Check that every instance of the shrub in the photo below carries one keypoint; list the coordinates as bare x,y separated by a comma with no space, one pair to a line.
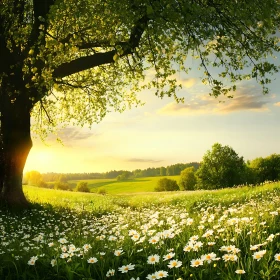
82,187
187,179
61,186
42,184
124,176
102,191
166,184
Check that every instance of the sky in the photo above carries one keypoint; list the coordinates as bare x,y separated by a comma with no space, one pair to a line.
162,132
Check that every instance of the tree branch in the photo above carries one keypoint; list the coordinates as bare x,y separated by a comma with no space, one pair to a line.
83,63
41,9
87,62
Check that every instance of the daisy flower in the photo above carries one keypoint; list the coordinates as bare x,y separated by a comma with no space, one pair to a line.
197,245
92,260
258,255
153,259
118,252
53,262
151,276
168,256
161,274
208,257
154,240
126,268
32,260
196,262
110,272
239,271
86,247
174,263
188,248
277,257
229,257
135,237
62,241
64,255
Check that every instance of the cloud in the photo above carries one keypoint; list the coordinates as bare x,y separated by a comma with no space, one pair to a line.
68,135
205,104
143,160
277,104
244,102
187,83
72,134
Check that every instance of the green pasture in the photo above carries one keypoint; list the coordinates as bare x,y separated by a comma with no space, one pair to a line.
112,186
124,194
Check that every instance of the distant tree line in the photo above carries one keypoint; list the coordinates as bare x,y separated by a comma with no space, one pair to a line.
170,170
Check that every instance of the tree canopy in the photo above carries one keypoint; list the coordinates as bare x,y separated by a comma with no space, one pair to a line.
221,167
72,62
77,59
187,179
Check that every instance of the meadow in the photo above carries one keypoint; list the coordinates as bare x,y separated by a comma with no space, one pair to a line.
112,186
225,234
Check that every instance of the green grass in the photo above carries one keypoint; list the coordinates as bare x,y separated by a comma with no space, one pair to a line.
69,235
112,186
135,197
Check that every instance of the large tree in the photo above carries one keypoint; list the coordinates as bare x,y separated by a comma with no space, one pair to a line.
72,61
221,167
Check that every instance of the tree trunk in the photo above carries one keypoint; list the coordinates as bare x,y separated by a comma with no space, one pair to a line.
16,144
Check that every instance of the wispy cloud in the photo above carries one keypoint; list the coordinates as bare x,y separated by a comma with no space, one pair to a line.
72,134
243,100
187,83
69,135
277,104
143,160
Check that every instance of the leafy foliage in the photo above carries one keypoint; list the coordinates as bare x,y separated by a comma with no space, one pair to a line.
70,53
166,184
82,187
32,178
221,167
62,184
101,191
266,169
124,176
187,179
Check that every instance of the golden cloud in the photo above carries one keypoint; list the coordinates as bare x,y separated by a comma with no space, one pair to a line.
205,104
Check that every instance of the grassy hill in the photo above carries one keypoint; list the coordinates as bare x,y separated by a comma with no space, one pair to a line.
112,186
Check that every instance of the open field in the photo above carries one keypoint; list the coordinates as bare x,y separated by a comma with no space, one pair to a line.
227,234
112,186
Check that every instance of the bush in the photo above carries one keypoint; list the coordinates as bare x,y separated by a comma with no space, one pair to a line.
124,176
42,184
102,191
82,187
187,179
166,184
61,186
